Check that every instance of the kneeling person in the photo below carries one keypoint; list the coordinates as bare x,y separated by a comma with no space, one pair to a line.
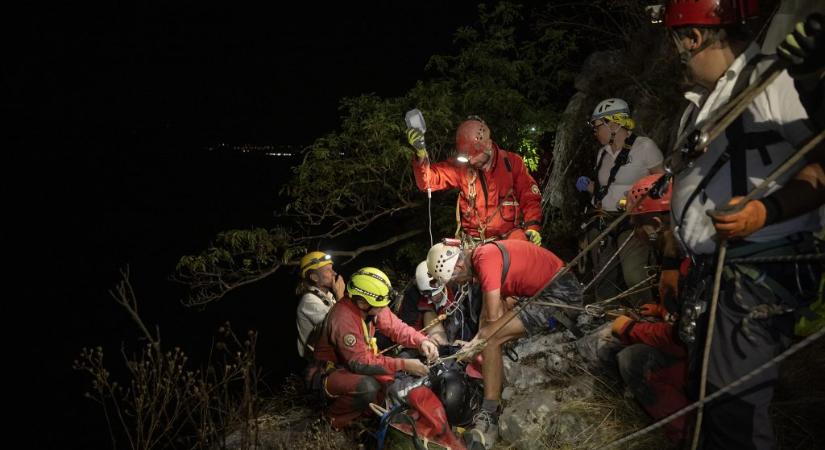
347,349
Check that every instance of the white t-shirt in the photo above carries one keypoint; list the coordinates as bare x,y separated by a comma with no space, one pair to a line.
312,310
777,108
644,155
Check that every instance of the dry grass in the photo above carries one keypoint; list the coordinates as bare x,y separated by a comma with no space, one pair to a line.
594,422
796,411
292,420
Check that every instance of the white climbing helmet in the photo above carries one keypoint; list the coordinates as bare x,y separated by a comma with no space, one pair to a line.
425,283
609,107
614,110
441,261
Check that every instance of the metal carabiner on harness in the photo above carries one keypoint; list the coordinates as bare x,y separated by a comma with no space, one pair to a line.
594,310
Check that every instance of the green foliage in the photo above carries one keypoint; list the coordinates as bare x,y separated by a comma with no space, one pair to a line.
236,258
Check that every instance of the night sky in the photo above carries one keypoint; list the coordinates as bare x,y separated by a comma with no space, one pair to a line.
114,108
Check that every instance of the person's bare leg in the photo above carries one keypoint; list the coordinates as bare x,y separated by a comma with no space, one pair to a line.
492,367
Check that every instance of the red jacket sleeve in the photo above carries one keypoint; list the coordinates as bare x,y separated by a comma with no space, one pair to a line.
399,332
347,336
437,176
527,193
658,335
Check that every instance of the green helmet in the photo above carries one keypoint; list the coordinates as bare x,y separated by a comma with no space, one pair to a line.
372,285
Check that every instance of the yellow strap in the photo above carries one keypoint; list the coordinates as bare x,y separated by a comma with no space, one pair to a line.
372,342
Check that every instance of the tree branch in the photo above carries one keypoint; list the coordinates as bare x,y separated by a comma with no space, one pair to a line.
354,253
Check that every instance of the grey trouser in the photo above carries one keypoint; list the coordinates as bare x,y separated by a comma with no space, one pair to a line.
537,318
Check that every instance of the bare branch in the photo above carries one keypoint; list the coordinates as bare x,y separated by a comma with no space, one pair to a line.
354,253
125,297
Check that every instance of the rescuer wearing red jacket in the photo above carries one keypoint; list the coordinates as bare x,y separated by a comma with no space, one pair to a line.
347,350
498,198
654,363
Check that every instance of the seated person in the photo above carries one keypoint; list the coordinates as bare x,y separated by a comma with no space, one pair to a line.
320,287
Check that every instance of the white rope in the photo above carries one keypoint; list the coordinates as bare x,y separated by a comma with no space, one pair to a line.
430,212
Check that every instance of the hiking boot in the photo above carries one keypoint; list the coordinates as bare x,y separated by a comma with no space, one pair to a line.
484,432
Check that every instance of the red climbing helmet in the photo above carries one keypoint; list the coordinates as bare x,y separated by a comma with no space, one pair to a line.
641,203
679,13
471,139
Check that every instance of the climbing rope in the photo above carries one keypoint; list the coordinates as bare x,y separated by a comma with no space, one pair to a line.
607,264
733,385
811,257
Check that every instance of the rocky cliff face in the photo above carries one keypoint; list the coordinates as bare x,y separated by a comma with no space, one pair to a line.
561,393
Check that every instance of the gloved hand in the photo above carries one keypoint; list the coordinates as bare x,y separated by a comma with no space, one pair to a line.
741,223
804,47
652,310
534,236
621,326
416,139
669,283
429,350
583,184
415,367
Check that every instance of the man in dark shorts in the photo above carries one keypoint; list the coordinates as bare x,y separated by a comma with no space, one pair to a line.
509,268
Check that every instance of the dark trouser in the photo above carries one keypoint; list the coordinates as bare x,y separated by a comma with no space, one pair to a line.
740,419
658,382
350,395
626,270
538,318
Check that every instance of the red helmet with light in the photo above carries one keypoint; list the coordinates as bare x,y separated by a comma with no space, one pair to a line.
638,202
679,13
471,139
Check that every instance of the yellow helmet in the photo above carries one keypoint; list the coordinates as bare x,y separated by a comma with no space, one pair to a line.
372,285
314,260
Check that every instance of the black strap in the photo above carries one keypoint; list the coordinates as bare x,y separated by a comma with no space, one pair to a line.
505,258
621,159
483,181
507,164
739,143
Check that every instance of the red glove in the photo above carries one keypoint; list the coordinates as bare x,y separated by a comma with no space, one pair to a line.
742,223
621,326
652,310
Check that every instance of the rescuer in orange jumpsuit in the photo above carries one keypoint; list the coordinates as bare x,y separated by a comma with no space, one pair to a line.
498,198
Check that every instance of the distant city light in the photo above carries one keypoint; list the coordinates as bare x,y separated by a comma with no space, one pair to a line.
282,150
